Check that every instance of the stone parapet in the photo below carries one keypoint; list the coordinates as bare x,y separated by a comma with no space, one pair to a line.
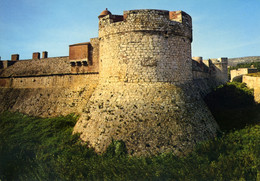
147,20
145,47
55,65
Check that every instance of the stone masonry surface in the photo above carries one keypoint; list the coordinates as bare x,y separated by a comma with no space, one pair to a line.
55,65
253,83
150,118
146,96
240,72
47,96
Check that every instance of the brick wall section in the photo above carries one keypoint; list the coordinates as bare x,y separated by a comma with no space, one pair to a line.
241,71
79,51
84,57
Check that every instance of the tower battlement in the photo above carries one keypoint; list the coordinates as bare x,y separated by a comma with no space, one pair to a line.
168,22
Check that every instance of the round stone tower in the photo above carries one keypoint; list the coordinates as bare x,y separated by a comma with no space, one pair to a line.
145,96
146,46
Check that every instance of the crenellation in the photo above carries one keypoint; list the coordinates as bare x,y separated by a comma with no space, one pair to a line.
36,56
44,54
14,57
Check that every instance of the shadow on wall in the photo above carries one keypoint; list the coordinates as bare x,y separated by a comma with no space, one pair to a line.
237,78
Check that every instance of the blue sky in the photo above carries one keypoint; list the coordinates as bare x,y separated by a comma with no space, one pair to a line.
221,28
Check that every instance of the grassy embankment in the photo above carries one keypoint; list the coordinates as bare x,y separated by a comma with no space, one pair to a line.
45,149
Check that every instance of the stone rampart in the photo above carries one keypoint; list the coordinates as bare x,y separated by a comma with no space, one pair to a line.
253,83
238,73
84,57
220,69
47,96
150,118
46,66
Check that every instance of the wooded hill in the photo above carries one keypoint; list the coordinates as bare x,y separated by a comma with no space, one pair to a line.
235,61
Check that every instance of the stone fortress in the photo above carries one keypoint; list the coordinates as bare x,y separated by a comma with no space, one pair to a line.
136,82
250,76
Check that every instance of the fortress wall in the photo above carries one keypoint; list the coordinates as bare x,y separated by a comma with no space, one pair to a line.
200,75
241,72
253,83
55,65
51,81
150,118
47,96
220,69
238,72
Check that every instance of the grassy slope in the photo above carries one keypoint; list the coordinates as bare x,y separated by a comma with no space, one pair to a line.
44,149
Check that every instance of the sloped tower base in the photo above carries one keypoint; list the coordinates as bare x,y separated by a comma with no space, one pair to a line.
150,118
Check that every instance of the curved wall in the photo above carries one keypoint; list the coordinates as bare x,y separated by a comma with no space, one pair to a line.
145,96
146,47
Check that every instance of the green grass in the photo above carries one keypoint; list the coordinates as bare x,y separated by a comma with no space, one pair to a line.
44,149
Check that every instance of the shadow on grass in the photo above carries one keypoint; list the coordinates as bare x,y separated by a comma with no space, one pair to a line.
233,106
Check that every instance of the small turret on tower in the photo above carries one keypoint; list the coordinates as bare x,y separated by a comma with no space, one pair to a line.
104,13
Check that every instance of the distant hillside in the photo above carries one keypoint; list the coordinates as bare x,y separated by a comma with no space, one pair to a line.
235,61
